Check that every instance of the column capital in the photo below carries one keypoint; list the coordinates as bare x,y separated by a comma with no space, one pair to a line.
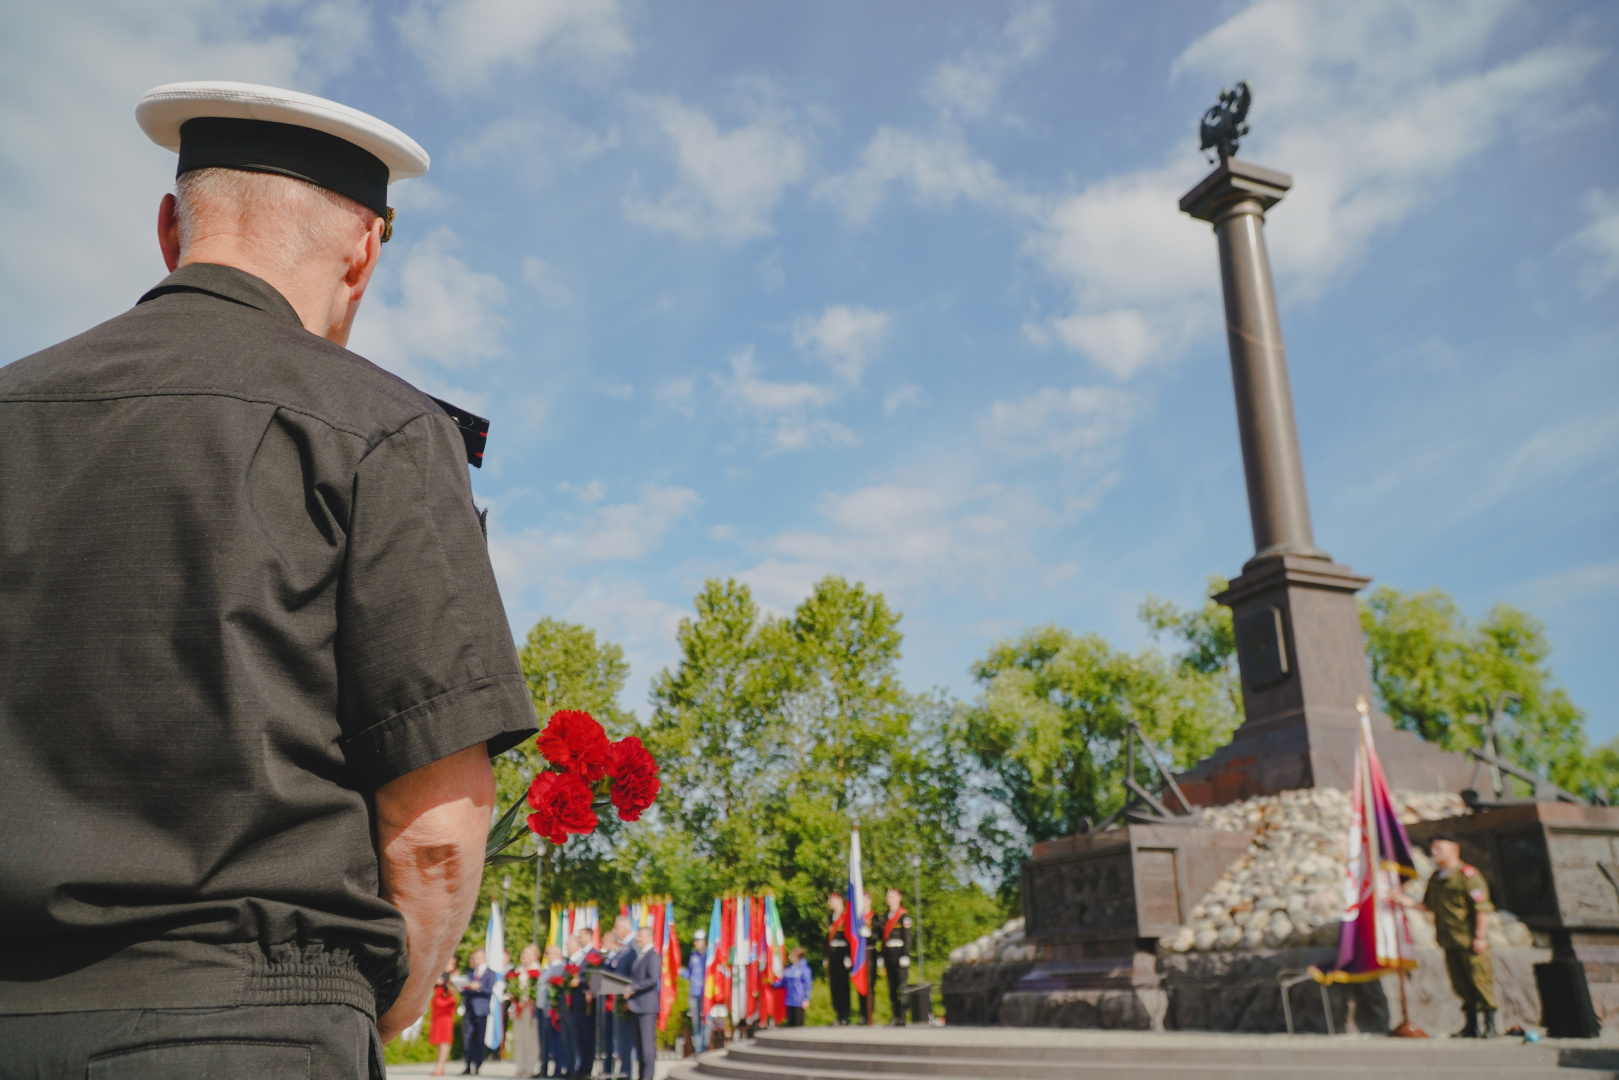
1233,181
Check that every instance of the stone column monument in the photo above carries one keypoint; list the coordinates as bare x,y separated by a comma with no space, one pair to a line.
1299,642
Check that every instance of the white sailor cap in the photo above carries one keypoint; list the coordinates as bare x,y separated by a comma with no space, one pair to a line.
236,125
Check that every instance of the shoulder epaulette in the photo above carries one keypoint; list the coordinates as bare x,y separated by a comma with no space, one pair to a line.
474,430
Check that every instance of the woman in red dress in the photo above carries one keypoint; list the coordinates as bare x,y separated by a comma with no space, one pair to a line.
441,1032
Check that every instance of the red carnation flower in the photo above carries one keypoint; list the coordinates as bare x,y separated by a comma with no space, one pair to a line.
635,778
561,804
574,742
556,980
572,969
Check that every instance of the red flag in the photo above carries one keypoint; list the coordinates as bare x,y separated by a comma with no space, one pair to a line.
670,946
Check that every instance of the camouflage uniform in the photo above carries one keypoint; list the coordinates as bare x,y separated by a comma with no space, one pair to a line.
1456,898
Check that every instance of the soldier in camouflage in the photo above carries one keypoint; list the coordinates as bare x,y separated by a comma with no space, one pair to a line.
1460,900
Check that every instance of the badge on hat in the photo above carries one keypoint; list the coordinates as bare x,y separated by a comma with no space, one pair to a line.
234,125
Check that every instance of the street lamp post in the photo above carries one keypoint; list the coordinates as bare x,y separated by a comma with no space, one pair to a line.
916,866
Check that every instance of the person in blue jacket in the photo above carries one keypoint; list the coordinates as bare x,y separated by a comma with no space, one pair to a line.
797,980
696,975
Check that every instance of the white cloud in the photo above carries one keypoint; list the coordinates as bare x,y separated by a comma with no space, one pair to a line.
464,43
676,394
938,169
783,408
843,337
545,280
1370,106
902,537
730,181
900,397
533,144
765,396
1567,588
1061,422
430,308
619,532
1597,243
79,182
969,85
593,492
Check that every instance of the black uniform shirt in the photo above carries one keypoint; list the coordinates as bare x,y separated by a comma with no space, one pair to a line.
242,585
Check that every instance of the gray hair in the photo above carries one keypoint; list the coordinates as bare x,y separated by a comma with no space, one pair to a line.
288,220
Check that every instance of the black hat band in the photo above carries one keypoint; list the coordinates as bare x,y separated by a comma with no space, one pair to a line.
322,159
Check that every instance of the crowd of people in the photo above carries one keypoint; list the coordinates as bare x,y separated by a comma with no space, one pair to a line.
558,1021
561,1020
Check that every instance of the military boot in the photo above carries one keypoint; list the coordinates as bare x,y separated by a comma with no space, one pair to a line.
1470,1029
1489,1031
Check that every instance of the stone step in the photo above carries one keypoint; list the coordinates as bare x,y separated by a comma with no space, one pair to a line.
1189,1049
726,1066
999,1054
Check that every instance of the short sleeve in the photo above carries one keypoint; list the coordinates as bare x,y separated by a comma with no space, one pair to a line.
426,662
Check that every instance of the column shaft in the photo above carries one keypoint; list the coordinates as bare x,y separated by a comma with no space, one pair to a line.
1277,504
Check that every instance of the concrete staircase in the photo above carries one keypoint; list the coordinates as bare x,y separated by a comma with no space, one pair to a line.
1022,1054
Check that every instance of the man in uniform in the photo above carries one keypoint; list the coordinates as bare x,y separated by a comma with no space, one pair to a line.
253,663
869,997
897,941
838,957
1460,900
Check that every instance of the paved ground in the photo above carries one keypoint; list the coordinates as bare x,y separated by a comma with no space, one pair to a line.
497,1068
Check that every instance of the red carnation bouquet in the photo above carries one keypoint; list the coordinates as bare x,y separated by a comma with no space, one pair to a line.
587,772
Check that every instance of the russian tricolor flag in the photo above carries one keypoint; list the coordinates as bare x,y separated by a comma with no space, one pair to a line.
857,940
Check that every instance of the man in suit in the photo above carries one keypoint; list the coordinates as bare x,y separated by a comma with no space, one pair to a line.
646,984
475,1001
621,1032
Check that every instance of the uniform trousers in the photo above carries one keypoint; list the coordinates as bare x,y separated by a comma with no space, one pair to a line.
1472,976
897,978
795,1016
837,982
264,1042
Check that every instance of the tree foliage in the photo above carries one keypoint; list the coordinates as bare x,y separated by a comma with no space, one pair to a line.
1436,673
776,734
1051,724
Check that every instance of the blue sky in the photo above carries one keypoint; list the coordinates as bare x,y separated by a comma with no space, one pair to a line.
900,290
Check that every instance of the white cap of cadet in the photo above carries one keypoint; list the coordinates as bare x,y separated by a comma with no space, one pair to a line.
267,129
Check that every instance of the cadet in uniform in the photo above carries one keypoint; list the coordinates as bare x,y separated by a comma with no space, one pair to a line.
838,958
1459,900
899,936
253,663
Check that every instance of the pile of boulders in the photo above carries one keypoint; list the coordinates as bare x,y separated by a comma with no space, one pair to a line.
1286,891
1002,946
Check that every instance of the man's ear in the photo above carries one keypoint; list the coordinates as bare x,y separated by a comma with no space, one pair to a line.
363,260
168,232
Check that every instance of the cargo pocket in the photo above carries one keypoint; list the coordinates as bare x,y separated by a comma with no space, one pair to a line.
204,1059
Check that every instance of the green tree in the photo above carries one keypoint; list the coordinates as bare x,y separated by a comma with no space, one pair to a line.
1434,671
566,667
1051,723
774,734
1208,641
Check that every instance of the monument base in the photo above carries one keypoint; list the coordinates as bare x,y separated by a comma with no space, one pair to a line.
1238,992
1303,660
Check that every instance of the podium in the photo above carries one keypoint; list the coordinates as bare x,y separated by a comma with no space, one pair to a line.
602,982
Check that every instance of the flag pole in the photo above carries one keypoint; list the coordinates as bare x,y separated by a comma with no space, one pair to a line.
1406,1030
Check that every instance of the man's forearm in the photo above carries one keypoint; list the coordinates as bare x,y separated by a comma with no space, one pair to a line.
431,826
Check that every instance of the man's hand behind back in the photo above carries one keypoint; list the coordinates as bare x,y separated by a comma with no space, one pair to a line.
431,827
